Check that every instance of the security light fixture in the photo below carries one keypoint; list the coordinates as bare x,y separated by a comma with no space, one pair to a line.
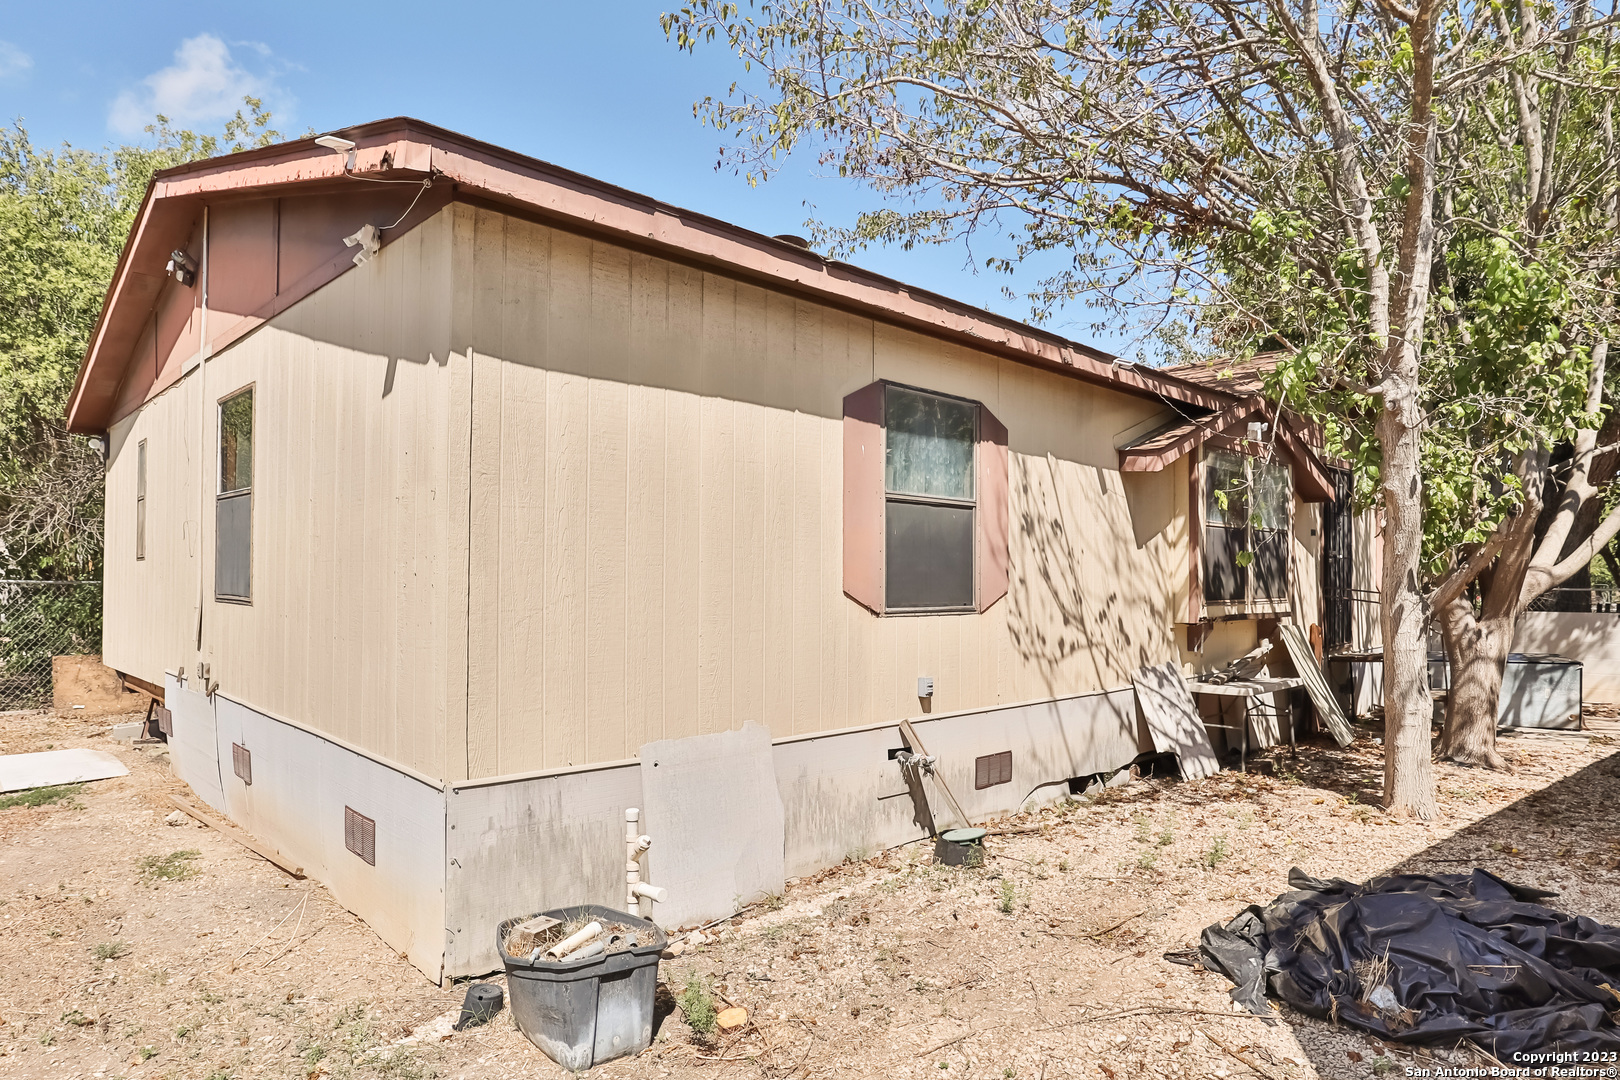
182,267
368,239
341,145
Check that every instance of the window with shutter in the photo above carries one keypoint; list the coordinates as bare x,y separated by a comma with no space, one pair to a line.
925,502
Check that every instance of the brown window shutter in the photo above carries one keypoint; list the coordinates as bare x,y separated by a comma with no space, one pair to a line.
1195,541
863,497
990,543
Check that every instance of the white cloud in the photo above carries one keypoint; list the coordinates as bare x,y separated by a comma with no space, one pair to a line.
204,85
13,61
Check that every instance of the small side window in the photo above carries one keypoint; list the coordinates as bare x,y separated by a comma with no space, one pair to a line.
140,500
233,507
1246,515
925,502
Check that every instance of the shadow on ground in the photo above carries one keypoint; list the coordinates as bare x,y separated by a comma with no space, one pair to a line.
1561,837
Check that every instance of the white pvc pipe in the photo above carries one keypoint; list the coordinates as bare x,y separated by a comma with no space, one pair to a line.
635,844
651,892
561,950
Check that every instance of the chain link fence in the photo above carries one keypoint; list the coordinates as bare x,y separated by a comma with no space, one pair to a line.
39,620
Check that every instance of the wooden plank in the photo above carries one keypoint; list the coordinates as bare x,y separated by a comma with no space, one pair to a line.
1173,720
916,744
1316,684
263,850
151,690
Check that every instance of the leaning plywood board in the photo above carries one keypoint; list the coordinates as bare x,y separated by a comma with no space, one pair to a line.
1316,684
19,772
1173,720
711,805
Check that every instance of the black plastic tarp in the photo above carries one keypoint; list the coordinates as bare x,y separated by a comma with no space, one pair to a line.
1429,958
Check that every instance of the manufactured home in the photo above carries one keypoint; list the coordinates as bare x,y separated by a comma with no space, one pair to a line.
457,502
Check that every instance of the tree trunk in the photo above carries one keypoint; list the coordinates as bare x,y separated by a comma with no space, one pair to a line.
1478,649
1408,709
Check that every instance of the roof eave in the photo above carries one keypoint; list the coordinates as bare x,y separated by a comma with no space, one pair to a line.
482,172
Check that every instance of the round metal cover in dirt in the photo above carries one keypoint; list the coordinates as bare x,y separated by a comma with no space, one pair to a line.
963,836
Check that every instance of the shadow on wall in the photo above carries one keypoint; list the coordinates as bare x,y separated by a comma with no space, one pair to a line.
1151,501
394,360
1077,587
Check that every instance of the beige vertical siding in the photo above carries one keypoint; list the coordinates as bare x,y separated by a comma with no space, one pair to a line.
357,622
524,500
149,620
657,514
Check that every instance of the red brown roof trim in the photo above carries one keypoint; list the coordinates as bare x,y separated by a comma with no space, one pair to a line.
405,149
1157,449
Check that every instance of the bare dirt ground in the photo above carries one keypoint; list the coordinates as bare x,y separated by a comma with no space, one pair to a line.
120,958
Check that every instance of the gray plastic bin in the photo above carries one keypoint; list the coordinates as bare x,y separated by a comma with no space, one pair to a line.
588,1011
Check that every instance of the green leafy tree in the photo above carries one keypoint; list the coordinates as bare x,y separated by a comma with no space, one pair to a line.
1514,352
64,217
1176,151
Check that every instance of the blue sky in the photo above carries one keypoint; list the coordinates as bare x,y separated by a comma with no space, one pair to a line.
593,87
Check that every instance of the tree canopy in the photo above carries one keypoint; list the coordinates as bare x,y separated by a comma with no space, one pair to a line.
1396,194
64,217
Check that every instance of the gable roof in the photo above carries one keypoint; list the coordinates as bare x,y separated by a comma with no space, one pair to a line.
467,170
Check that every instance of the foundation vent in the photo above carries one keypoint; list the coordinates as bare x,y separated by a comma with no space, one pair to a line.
242,763
360,834
992,769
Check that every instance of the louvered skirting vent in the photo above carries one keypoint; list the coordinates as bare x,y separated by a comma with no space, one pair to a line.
242,763
360,834
992,769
